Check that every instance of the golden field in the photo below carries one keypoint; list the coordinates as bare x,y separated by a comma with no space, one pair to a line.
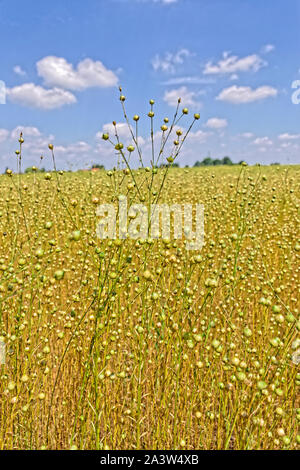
142,344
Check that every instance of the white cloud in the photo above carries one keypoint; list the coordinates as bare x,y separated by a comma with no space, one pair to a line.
19,71
267,48
199,136
35,142
169,62
35,96
80,147
216,123
188,98
189,81
263,141
3,135
234,64
122,130
27,131
57,72
285,145
247,135
288,136
245,94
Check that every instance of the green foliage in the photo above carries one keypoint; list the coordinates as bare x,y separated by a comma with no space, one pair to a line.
97,166
210,162
31,169
174,165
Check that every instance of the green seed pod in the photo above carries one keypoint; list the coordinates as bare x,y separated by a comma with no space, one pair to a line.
58,275
76,235
119,146
276,308
241,376
247,332
261,385
147,275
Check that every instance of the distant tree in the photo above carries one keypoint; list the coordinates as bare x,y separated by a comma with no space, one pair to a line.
28,170
164,165
207,161
96,165
33,169
274,163
227,161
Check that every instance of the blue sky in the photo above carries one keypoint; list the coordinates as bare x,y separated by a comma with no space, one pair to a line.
234,61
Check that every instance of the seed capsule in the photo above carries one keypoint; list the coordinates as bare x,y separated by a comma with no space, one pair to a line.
119,146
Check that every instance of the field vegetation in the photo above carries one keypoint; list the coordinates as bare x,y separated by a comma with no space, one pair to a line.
142,344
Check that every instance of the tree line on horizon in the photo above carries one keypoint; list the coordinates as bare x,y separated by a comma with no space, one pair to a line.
208,161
